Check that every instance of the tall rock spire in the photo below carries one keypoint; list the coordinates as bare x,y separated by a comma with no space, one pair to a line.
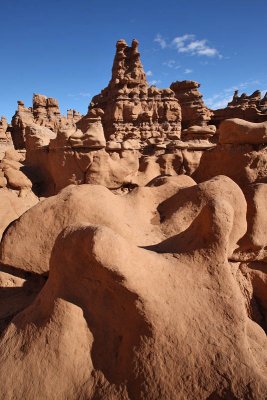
132,109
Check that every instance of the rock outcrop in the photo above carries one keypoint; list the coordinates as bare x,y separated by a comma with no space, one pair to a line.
239,131
130,135
240,154
16,195
133,110
194,111
6,142
124,321
133,245
251,108
45,112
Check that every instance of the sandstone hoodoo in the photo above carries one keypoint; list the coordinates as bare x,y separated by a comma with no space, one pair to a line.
45,112
133,110
252,108
194,111
133,245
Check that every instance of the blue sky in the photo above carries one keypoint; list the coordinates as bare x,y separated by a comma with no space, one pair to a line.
65,49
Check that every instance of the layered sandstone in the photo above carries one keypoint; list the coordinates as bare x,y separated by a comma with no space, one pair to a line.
130,135
194,111
142,273
45,112
6,142
133,110
251,108
16,194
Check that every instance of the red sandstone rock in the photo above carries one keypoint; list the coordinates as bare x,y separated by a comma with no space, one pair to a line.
12,171
245,164
45,112
194,111
183,306
156,282
6,142
251,108
131,108
16,195
238,131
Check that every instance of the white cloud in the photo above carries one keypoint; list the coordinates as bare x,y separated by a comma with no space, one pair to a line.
241,86
248,83
189,44
171,64
180,40
149,73
162,42
218,101
188,71
154,82
221,99
81,94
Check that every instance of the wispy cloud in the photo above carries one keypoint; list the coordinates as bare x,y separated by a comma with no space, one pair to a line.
162,42
221,99
189,44
242,85
149,73
179,41
154,82
172,64
81,94
188,71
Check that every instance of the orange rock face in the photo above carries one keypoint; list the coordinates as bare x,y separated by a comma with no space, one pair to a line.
251,108
45,112
6,142
123,294
194,111
131,108
133,246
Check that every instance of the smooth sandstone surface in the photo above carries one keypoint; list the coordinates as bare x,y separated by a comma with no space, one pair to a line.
238,131
127,322
12,207
129,215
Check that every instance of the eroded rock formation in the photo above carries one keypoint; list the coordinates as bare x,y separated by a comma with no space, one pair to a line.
133,247
194,111
16,195
6,142
112,312
251,108
45,112
133,110
130,135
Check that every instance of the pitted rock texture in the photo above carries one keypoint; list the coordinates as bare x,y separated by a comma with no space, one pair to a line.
133,247
6,142
45,112
194,111
133,110
16,195
252,108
